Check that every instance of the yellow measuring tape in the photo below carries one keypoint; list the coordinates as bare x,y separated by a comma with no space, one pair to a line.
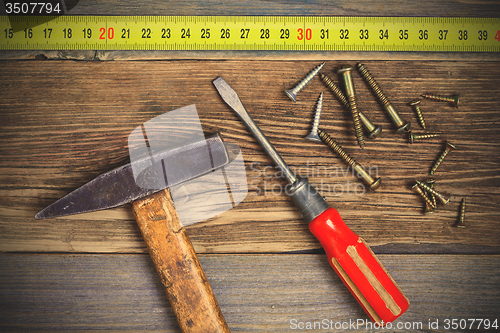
273,33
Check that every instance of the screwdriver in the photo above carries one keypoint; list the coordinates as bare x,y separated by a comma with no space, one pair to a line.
348,254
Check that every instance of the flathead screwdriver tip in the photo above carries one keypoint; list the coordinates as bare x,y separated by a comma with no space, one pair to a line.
233,101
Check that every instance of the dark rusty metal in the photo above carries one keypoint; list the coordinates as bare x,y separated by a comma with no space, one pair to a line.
119,186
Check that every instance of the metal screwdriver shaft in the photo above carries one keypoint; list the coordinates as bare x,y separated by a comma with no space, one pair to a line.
305,197
231,98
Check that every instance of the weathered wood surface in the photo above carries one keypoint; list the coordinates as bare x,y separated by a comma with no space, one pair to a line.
62,123
242,55
257,293
451,8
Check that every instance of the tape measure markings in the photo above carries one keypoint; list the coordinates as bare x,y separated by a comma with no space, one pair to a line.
272,33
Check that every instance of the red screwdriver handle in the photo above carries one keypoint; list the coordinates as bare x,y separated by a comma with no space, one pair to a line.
359,268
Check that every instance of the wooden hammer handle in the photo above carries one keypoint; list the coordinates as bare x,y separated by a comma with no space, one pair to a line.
185,282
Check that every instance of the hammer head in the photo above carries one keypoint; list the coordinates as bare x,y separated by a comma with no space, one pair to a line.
122,185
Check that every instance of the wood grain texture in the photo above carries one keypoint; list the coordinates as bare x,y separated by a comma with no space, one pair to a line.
180,271
257,293
63,123
452,8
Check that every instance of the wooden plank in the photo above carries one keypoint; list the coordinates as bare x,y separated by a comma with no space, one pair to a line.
63,123
257,293
452,8
244,55
487,8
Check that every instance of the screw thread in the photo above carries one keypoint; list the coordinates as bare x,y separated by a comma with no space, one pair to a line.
341,97
307,79
330,142
374,184
433,197
358,130
438,98
439,160
461,220
429,209
452,99
423,195
420,116
438,195
425,136
335,89
317,115
415,137
373,84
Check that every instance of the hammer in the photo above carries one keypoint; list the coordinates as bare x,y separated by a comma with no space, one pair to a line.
181,273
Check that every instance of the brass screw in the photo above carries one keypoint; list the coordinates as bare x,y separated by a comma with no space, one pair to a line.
372,129
393,114
415,137
335,89
292,93
373,184
429,209
351,98
449,147
420,116
431,183
461,220
428,201
454,99
443,198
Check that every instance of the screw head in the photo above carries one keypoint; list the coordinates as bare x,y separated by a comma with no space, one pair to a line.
411,137
375,185
415,102
313,137
345,68
404,128
375,133
445,198
429,209
456,100
290,93
450,146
